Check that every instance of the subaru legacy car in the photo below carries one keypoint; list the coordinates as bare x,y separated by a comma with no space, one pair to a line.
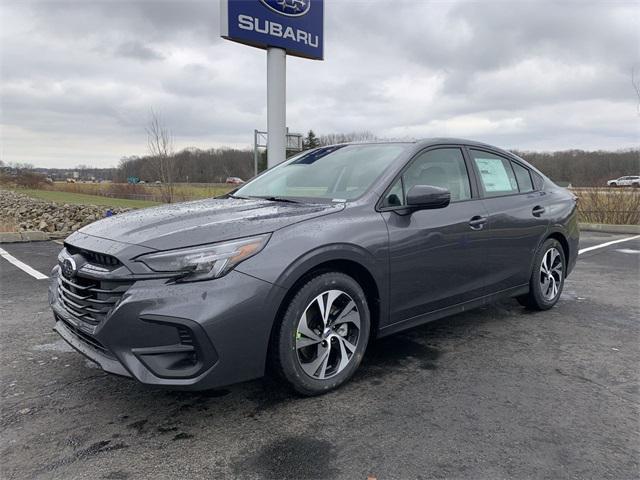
296,271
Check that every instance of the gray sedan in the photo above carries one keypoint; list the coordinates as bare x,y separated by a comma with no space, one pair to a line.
299,268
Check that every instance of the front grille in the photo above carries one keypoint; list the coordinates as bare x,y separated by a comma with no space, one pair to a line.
90,300
95,258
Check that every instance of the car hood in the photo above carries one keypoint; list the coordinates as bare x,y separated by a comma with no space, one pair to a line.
204,221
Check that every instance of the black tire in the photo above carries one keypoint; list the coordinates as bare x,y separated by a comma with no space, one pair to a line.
635,185
285,357
536,298
614,185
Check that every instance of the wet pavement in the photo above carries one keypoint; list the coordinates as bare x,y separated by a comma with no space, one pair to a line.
498,392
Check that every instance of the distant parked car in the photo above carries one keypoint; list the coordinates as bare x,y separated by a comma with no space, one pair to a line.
234,180
158,182
628,181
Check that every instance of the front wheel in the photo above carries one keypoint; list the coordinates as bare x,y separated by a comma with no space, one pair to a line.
547,278
323,335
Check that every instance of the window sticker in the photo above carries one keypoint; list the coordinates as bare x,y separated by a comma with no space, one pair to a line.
494,175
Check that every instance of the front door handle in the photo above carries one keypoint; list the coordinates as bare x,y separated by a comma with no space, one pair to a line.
537,211
477,222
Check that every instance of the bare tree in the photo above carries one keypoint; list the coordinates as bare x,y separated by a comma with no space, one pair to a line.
635,81
332,138
160,147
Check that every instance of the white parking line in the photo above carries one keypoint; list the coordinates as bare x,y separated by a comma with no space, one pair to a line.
22,266
602,245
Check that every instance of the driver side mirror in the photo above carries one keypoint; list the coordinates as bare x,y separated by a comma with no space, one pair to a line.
427,197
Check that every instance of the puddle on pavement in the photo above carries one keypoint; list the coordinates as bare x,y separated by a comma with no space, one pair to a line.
390,354
291,458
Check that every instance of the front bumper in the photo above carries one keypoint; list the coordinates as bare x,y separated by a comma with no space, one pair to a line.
193,336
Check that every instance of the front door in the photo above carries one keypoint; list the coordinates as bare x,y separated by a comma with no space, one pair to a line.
436,256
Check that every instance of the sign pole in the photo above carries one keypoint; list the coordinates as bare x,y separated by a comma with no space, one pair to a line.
276,105
255,153
281,27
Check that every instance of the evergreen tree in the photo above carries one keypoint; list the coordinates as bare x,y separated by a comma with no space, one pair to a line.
310,141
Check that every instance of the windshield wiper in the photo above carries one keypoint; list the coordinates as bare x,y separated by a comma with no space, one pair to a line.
278,199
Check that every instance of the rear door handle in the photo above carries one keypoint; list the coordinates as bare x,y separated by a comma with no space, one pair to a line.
477,222
537,211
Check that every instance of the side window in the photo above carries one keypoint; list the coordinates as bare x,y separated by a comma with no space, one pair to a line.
395,197
523,177
496,174
443,167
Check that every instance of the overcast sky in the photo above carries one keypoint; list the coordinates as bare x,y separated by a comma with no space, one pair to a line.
79,78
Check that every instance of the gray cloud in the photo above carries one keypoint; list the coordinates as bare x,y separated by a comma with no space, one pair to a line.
79,78
137,50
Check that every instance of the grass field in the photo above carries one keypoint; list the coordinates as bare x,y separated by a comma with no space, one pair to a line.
181,191
84,199
608,205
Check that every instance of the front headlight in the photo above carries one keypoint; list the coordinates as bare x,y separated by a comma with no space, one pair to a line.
207,261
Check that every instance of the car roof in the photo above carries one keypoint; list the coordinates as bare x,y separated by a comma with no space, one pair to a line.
424,142
427,142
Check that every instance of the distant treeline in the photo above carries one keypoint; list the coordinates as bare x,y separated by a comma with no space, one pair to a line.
61,174
192,165
585,169
577,167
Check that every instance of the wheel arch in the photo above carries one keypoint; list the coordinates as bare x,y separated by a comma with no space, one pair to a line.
360,266
564,243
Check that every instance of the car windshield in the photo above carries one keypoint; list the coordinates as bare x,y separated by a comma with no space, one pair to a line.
339,172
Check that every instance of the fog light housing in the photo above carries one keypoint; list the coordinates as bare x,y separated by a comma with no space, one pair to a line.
170,361
191,355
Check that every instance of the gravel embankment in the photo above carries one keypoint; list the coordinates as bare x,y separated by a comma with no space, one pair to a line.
28,214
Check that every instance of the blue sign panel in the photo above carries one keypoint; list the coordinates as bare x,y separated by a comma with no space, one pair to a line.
295,25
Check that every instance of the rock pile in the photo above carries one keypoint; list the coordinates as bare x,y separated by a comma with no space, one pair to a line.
28,214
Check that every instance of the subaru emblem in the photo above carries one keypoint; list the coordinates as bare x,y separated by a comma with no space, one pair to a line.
68,267
290,8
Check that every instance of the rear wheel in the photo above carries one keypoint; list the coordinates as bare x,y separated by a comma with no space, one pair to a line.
547,278
323,334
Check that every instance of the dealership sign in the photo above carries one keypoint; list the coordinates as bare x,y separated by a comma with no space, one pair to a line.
293,25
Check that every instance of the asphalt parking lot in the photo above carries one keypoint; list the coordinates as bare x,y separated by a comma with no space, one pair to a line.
498,392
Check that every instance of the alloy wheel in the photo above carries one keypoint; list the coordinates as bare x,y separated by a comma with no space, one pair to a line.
551,274
327,334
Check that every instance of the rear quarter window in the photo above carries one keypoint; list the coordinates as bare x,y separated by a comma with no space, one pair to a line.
538,181
523,176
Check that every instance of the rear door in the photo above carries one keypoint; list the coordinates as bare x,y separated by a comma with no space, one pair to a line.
518,217
436,256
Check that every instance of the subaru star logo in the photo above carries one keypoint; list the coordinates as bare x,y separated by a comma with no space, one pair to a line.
290,8
69,267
